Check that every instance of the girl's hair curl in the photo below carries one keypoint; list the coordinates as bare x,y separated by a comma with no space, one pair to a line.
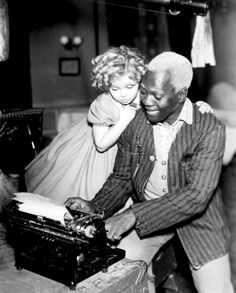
115,62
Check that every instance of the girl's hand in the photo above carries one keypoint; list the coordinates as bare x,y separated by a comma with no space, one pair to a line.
127,113
204,107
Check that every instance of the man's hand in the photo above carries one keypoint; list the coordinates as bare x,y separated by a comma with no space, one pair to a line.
79,204
119,224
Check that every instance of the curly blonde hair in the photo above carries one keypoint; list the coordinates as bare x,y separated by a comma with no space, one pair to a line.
116,62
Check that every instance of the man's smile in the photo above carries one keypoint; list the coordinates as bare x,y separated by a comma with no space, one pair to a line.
150,110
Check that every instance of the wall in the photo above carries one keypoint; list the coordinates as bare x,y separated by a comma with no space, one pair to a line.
223,22
224,32
15,71
49,20
64,17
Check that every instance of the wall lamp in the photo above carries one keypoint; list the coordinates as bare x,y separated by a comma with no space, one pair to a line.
70,43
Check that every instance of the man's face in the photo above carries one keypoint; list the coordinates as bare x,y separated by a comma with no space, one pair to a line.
159,98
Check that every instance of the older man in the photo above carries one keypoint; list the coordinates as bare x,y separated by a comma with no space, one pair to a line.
169,161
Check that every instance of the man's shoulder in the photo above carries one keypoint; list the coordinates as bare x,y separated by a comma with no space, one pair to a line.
139,119
205,120
138,124
140,114
199,117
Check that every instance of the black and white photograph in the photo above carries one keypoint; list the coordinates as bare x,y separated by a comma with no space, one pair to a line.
118,146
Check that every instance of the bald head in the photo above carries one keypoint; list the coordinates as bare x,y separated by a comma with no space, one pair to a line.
177,67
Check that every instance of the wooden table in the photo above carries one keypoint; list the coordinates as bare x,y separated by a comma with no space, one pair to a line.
120,277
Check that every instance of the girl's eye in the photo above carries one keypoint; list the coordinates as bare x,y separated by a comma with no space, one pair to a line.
114,89
130,86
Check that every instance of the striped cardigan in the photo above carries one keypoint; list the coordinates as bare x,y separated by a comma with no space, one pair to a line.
193,205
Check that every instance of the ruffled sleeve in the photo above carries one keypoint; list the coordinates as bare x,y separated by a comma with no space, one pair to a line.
103,111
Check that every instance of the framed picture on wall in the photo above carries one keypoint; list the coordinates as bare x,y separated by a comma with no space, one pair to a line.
69,66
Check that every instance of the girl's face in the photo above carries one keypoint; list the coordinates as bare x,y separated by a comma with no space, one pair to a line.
124,89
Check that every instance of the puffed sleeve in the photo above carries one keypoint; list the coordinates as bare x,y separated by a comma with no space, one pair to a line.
103,111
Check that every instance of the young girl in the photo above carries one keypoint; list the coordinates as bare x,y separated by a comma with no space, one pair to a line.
79,160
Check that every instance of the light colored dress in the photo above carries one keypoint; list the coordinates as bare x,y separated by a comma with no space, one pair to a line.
70,165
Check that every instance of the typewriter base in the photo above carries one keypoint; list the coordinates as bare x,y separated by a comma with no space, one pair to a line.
68,276
64,262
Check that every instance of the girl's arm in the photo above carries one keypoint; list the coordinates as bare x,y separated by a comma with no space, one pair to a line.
106,136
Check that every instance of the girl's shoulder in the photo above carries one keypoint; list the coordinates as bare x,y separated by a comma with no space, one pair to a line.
103,100
103,111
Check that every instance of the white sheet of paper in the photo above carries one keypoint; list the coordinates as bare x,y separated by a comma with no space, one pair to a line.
41,206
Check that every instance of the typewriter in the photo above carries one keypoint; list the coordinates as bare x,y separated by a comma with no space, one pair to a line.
44,243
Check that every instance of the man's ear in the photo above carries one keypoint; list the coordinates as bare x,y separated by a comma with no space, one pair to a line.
182,95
